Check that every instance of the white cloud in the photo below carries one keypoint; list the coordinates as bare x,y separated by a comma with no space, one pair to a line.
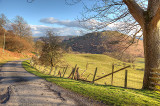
70,27
68,23
126,28
39,30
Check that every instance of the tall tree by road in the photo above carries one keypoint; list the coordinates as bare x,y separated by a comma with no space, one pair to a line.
3,22
51,52
21,28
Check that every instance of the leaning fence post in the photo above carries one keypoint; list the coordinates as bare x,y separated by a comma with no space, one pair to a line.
112,73
71,73
59,73
65,71
74,71
76,74
125,83
94,75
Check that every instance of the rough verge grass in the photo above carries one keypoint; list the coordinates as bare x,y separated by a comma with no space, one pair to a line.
109,95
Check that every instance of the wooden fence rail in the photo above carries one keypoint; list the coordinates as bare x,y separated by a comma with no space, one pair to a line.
112,73
155,79
94,75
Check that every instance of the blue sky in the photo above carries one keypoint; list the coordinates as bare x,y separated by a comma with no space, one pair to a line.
55,15
44,14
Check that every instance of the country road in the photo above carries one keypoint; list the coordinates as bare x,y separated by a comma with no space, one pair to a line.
20,88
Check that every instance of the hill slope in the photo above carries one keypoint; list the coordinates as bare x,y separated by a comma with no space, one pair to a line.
10,56
106,41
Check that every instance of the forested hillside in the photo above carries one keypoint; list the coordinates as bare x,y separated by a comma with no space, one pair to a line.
105,42
17,36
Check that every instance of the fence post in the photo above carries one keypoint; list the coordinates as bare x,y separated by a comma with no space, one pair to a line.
76,76
65,71
74,71
71,73
94,75
125,83
87,66
60,73
112,73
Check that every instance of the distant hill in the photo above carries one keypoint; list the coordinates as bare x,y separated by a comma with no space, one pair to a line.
106,41
66,37
61,37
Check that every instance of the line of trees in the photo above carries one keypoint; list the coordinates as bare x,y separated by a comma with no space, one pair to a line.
15,35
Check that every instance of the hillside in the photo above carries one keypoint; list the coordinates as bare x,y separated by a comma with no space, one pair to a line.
106,41
66,37
10,56
62,38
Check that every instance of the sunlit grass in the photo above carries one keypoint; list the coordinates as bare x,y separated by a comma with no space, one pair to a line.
109,95
104,65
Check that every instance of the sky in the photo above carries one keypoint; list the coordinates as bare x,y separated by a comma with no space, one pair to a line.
55,15
45,14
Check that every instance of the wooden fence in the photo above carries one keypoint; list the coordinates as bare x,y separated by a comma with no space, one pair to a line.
77,76
155,79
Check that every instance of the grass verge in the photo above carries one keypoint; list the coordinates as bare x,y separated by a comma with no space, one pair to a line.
107,94
1,63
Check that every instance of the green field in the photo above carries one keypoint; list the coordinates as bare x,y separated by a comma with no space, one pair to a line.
104,65
109,95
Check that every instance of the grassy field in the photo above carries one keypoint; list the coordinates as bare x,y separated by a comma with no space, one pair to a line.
104,65
109,95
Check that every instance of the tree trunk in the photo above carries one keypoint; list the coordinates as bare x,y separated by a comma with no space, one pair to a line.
51,66
151,41
51,69
55,70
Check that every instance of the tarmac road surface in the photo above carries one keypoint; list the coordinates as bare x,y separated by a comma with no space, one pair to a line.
20,88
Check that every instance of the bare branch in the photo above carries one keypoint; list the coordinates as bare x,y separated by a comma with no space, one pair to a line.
133,41
156,18
136,11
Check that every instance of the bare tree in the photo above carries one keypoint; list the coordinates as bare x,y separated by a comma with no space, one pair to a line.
38,46
21,28
51,52
3,22
129,17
